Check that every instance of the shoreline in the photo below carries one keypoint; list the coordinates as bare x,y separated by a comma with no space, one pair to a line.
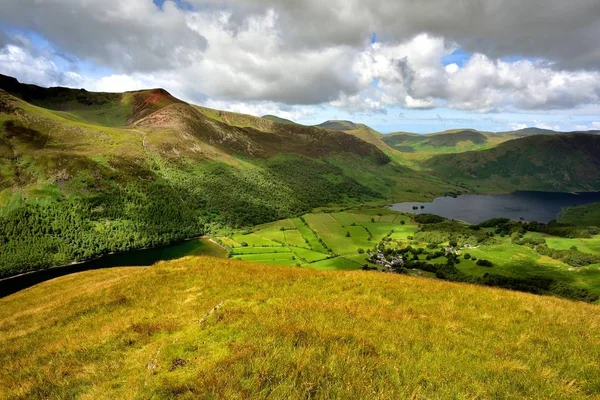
100,257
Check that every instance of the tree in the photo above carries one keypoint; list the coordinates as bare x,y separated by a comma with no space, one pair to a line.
484,263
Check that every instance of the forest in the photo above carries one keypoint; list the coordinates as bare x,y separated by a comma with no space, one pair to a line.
177,203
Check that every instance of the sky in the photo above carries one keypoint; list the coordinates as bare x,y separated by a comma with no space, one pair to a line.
396,65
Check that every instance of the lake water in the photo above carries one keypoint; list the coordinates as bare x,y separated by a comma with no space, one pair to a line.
529,206
135,258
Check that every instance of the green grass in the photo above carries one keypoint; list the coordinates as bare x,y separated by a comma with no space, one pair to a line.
214,328
509,259
584,215
332,228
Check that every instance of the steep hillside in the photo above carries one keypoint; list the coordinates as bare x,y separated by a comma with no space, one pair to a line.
72,188
272,140
562,162
210,328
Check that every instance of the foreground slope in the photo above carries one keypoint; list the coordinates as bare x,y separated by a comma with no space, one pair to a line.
202,327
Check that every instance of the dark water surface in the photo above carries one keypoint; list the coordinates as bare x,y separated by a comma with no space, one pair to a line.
135,258
529,206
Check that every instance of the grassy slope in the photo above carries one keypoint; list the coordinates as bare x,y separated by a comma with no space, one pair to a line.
284,332
565,162
584,215
279,120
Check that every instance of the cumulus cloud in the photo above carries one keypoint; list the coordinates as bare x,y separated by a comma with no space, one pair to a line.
254,63
550,29
17,61
412,74
132,35
289,53
263,108
517,126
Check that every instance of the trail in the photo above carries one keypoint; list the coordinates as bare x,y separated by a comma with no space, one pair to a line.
144,136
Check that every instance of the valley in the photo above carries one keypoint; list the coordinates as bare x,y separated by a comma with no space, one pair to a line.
354,200
88,174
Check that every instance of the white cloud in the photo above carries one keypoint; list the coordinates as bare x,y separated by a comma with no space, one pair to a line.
128,36
17,61
263,108
244,52
517,126
452,68
411,74
543,125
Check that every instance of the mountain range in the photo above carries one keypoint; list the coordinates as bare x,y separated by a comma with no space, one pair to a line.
83,173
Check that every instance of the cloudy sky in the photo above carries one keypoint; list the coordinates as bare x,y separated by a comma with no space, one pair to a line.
397,65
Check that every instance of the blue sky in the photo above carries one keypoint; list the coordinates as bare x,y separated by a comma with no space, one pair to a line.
308,63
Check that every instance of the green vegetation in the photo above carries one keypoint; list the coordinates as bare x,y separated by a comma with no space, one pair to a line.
83,174
319,240
279,120
498,252
444,142
584,215
202,327
523,164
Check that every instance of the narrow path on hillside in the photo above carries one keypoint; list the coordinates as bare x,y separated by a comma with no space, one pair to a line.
144,135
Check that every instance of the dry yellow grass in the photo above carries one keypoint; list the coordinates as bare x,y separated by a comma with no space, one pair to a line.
212,328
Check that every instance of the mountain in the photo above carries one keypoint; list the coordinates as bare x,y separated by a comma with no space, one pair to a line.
83,174
443,142
367,134
539,131
339,125
214,328
279,120
559,162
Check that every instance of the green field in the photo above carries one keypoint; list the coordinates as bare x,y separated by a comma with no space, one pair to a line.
331,241
320,240
587,214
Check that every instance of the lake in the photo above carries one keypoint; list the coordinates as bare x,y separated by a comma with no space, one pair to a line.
529,206
134,258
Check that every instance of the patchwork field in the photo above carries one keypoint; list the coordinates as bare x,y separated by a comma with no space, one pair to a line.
341,241
320,240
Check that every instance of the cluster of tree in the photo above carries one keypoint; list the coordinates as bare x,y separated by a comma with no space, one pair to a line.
484,263
537,285
428,219
171,203
573,257
504,226
451,231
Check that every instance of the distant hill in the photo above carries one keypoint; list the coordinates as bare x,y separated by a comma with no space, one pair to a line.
560,162
339,125
443,142
279,120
